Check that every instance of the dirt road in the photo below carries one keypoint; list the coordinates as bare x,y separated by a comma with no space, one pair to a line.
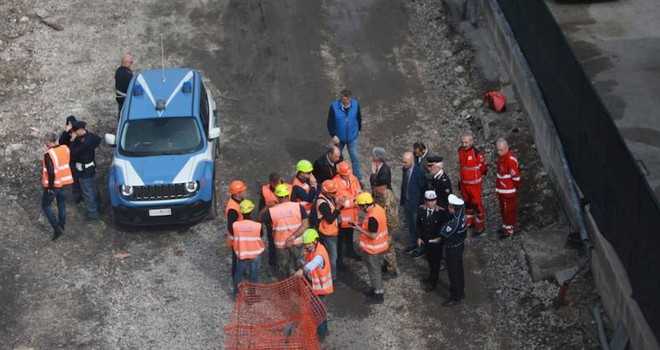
273,67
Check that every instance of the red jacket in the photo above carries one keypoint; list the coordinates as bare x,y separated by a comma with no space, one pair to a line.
508,174
472,165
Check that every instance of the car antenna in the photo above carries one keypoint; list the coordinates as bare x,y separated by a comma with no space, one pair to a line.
162,57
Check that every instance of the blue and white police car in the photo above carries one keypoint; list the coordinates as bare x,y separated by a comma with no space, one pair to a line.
163,160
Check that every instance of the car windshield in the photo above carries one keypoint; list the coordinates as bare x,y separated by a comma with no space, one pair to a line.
160,136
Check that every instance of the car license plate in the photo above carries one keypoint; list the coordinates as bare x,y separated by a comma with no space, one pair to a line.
160,212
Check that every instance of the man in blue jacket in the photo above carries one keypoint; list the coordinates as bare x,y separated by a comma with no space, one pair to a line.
413,184
344,125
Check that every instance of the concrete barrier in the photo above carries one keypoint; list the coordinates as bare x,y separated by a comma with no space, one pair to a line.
610,276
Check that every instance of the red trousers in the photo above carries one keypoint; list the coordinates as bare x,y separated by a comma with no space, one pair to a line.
509,211
474,207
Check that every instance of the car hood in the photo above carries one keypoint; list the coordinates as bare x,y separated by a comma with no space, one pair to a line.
151,170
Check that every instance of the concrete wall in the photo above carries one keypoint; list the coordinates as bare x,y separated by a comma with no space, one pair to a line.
610,276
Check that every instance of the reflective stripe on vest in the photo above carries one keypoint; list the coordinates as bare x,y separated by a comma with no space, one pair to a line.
327,229
286,220
232,204
379,244
60,158
321,277
247,243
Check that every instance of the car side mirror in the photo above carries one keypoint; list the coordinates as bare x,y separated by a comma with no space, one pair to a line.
110,140
214,133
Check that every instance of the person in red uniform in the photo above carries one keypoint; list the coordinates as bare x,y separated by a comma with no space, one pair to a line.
472,170
508,180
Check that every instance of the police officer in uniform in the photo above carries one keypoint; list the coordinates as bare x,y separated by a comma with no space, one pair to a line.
438,180
430,219
83,146
123,76
453,238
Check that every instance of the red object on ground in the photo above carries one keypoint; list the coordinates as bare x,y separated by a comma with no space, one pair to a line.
281,315
496,100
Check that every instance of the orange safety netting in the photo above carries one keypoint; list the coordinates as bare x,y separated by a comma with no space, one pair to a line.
281,315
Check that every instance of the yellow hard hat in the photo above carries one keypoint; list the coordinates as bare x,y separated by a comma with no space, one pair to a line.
364,198
310,236
304,166
282,190
246,206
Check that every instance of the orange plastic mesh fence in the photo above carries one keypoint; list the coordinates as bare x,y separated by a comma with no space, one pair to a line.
281,315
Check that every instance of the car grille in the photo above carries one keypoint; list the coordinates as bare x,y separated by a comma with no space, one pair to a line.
160,192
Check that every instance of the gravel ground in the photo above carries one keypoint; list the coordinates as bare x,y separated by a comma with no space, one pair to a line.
418,79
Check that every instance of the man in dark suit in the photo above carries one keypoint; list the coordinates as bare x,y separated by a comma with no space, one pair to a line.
325,167
413,184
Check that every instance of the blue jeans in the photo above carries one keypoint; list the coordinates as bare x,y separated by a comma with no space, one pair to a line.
88,189
411,222
47,199
249,266
330,244
353,153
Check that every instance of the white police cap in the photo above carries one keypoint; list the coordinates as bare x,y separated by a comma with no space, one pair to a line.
454,200
430,195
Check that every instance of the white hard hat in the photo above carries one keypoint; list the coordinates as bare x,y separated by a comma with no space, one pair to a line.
454,200
430,195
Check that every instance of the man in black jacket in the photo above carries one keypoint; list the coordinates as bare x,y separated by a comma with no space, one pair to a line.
123,76
413,184
83,146
453,238
430,219
325,168
438,180
65,139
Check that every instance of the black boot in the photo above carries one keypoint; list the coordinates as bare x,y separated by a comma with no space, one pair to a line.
57,232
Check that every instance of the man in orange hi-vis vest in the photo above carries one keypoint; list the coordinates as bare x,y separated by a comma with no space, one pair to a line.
55,176
348,187
247,245
317,270
374,242
286,220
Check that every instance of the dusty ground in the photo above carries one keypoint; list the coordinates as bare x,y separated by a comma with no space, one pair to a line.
273,67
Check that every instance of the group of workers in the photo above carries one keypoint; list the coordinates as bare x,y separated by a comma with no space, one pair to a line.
325,215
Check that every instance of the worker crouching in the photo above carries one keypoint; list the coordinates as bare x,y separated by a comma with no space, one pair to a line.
374,243
317,270
247,245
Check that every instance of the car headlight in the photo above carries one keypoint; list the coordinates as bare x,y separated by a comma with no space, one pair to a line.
192,186
126,190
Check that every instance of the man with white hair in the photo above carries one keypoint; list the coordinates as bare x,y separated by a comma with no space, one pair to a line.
508,181
123,76
439,180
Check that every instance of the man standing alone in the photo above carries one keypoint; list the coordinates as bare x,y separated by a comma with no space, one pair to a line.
123,76
508,180
344,125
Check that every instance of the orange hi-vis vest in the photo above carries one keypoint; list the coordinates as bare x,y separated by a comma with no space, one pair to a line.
379,244
270,198
321,277
286,220
306,188
346,193
247,241
325,228
232,204
60,157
